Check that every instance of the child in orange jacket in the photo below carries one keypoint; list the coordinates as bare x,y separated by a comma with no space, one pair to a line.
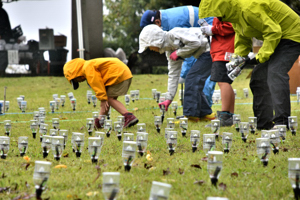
108,77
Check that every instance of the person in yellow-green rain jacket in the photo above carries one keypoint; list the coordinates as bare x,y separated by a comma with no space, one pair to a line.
108,77
279,27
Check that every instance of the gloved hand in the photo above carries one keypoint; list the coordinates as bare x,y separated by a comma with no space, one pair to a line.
166,103
252,61
206,30
174,56
181,80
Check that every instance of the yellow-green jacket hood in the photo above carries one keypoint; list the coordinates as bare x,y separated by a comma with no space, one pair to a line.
227,9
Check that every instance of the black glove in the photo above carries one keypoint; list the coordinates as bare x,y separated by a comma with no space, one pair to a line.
252,61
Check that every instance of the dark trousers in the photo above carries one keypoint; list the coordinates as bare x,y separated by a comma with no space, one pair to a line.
270,85
195,103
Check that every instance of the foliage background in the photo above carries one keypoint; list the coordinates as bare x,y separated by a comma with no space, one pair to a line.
122,25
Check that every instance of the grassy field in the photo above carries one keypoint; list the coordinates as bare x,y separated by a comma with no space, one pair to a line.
243,175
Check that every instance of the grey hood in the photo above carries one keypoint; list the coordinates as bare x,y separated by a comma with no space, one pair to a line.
187,41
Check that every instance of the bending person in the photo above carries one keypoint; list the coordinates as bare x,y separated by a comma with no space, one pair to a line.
279,27
184,17
180,43
108,77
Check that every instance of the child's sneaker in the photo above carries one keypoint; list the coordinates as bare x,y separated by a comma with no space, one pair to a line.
193,119
205,118
210,117
130,120
225,118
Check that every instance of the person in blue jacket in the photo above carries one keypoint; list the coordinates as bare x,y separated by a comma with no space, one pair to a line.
185,17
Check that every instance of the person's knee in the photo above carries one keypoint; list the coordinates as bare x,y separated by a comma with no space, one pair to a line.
111,99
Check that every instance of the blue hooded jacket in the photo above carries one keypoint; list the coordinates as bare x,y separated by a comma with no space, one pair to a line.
183,16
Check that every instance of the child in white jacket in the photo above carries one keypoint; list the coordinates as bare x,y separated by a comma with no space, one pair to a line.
180,43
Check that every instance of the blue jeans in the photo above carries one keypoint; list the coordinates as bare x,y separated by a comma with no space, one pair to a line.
208,90
195,102
209,85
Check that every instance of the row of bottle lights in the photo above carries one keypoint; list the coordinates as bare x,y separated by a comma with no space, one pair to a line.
111,181
262,143
129,148
242,127
170,134
60,101
134,96
54,104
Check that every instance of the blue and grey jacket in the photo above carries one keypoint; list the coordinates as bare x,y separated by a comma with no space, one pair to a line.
183,16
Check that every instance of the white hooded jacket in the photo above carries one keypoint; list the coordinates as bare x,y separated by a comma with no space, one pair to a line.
186,41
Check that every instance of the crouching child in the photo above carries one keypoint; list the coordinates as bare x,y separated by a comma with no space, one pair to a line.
108,77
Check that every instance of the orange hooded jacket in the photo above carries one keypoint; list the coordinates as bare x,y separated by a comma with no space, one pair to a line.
99,73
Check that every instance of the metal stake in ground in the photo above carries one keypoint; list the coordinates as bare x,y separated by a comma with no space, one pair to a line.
40,190
195,139
172,141
128,154
294,175
157,123
181,98
4,100
297,188
227,141
40,177
214,179
214,165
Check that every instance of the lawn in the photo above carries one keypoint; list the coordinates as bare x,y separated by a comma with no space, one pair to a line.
242,177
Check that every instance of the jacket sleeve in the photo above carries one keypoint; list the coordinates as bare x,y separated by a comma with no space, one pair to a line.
222,28
243,45
271,32
189,48
95,80
191,43
174,68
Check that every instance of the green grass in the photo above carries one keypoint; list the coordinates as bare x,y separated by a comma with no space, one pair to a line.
242,173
